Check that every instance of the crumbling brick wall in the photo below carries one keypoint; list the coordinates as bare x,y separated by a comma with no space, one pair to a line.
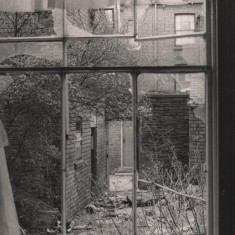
101,149
165,130
197,135
78,163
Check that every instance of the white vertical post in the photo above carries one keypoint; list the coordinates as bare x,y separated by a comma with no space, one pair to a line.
118,16
135,146
135,19
155,33
121,143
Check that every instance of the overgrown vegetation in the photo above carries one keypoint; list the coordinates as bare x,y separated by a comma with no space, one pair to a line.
31,115
31,105
173,202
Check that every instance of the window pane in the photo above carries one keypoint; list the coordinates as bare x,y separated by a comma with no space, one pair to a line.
30,113
120,52
167,17
172,151
31,54
105,17
30,18
184,24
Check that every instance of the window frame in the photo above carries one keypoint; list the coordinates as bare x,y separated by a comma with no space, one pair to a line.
212,100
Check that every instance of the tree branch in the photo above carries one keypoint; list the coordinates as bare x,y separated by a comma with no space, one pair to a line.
173,191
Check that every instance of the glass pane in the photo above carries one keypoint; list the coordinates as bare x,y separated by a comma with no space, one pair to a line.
30,18
101,52
102,101
179,51
172,152
166,17
31,54
107,17
127,52
30,113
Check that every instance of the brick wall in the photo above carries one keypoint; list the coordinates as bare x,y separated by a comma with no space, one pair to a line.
197,135
164,52
78,163
101,149
165,130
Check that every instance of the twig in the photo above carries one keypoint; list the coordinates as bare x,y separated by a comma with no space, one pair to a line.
22,231
172,190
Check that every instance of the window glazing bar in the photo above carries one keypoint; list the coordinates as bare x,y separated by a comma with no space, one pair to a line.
64,120
31,39
125,69
124,36
135,150
169,36
60,39
212,114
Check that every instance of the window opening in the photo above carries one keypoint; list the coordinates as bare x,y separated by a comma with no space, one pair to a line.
183,25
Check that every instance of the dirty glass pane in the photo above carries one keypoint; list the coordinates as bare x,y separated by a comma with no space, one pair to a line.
101,52
30,18
127,52
106,17
30,113
161,18
172,153
98,174
167,17
31,54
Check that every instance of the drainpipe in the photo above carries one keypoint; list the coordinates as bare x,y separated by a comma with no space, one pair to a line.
155,32
118,16
135,20
121,143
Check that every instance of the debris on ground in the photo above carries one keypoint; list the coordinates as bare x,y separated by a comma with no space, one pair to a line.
112,214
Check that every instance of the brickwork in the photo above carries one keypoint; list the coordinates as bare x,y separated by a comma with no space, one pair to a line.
101,149
197,138
165,52
165,130
78,163
197,88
